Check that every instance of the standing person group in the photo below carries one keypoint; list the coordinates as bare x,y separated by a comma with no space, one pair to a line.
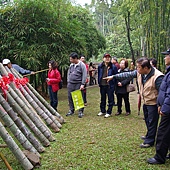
106,68
149,80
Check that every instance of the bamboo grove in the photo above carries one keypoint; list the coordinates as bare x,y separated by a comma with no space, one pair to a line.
134,28
32,32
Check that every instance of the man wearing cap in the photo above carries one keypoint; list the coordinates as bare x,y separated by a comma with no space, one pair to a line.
7,62
106,68
163,101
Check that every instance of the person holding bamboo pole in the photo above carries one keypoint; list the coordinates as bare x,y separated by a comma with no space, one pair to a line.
7,62
53,80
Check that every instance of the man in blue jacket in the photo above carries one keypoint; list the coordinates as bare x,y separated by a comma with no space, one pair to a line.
163,100
106,68
22,71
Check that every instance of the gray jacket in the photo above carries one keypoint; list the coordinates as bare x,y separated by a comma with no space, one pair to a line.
77,73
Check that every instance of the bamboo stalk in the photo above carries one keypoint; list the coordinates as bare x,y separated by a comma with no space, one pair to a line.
15,130
21,125
36,72
43,108
25,163
32,115
18,96
35,105
28,121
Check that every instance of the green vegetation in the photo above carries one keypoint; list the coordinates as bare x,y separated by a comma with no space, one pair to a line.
34,32
96,143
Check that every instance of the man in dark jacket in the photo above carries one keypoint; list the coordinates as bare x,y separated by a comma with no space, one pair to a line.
106,68
163,100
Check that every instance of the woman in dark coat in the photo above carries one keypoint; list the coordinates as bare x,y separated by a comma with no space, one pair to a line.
121,89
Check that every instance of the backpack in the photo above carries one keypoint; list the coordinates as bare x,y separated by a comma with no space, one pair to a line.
61,84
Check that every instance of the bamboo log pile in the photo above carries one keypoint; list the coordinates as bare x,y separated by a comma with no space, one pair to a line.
29,117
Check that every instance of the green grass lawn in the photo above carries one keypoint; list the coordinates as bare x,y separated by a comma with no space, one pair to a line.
96,143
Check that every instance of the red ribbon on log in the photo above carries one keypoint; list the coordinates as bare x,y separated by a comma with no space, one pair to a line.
5,80
3,86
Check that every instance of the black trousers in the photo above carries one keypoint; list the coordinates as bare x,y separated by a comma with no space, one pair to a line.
151,119
126,101
163,139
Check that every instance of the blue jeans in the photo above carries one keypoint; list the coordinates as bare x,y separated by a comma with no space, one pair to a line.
151,119
106,91
53,98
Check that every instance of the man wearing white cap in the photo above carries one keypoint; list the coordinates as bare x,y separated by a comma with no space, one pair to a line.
7,62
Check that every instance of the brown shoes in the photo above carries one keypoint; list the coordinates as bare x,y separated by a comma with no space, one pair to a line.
117,114
127,114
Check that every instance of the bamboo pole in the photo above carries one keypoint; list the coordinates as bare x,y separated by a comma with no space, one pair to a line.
40,112
32,115
36,72
18,96
25,163
21,125
28,121
16,131
47,105
43,107
5,161
41,99
30,103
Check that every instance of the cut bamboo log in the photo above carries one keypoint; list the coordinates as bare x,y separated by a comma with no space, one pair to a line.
41,113
25,163
28,121
16,131
21,125
32,115
18,96
42,107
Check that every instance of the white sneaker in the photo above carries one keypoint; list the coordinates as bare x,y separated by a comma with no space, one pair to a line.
100,114
107,115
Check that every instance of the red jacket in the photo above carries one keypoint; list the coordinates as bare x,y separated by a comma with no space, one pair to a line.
55,78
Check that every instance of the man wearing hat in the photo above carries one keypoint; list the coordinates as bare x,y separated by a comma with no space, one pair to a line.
106,68
7,62
163,101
